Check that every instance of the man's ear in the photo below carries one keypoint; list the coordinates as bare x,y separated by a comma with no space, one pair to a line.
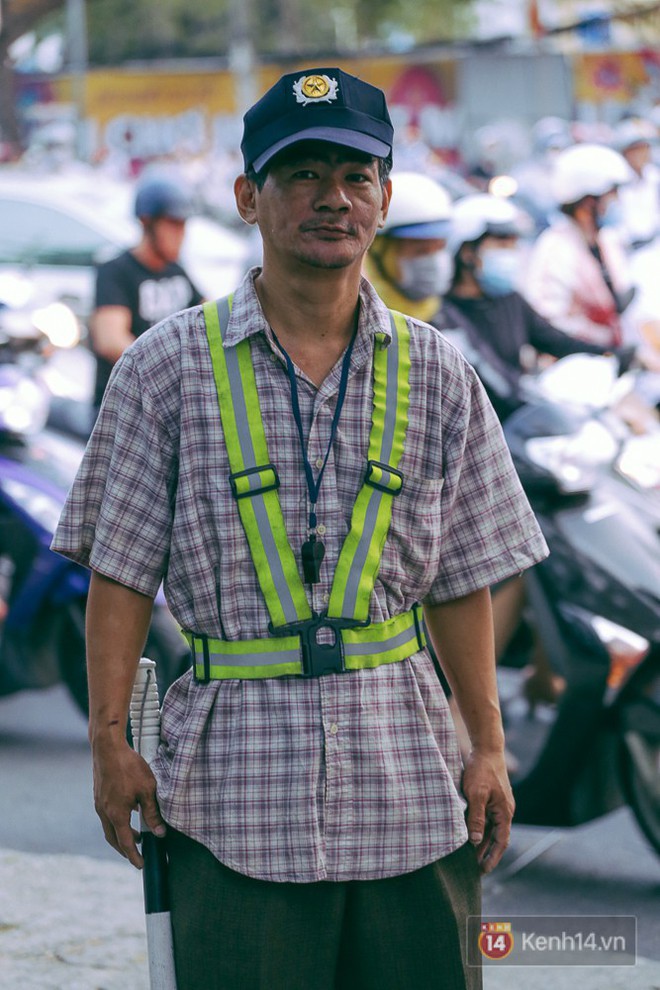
245,192
387,195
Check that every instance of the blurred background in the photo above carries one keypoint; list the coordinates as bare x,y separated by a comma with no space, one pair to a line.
96,97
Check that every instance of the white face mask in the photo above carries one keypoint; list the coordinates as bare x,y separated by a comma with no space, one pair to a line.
426,275
499,270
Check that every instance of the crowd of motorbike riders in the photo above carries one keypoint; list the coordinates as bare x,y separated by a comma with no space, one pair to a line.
515,281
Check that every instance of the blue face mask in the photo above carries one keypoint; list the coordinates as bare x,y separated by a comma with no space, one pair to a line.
498,272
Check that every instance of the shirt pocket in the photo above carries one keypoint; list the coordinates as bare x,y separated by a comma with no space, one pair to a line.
415,531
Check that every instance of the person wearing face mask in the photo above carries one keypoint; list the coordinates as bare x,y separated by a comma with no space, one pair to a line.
634,138
409,263
577,276
483,313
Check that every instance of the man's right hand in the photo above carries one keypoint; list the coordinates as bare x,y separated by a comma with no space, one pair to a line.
123,782
117,625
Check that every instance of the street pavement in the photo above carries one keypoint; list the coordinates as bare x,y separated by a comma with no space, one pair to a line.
71,915
76,923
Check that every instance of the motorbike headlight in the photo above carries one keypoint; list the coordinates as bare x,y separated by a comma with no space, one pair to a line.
573,458
23,404
43,508
58,323
626,649
640,461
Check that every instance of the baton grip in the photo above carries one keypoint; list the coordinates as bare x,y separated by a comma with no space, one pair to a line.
145,726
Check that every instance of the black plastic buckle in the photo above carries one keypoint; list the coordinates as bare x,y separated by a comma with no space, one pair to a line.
377,484
319,658
419,626
254,491
206,662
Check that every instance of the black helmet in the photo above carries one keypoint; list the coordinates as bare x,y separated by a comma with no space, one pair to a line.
163,198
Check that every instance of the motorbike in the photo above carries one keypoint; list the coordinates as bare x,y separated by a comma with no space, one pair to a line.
594,606
42,637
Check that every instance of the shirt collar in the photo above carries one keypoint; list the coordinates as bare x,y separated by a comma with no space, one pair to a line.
247,318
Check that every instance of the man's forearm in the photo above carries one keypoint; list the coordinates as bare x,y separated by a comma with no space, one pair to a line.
462,634
117,626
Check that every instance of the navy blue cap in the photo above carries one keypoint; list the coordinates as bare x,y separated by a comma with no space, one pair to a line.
317,105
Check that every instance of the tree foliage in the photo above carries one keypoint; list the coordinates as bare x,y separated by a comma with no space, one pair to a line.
120,31
126,30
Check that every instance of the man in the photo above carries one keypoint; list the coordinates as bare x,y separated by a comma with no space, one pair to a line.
577,277
309,775
144,285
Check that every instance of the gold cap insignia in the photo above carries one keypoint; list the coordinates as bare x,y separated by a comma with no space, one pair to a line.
315,89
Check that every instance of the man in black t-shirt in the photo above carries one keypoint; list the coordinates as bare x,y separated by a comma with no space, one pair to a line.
142,286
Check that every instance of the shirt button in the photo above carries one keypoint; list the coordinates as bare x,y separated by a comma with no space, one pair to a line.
326,598
274,358
320,529
319,462
334,729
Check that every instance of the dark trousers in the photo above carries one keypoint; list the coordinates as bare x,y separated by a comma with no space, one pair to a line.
232,932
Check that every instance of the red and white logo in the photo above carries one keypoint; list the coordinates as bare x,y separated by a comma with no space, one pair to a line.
495,939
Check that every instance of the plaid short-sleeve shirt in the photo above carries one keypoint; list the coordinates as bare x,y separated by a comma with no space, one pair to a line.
352,776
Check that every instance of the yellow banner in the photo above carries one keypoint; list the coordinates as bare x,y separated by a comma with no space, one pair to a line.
614,76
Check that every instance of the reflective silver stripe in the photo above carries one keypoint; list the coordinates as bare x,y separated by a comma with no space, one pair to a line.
249,460
391,394
364,649
373,649
386,478
251,659
361,551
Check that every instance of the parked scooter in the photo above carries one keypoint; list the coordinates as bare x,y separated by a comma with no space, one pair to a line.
594,605
42,639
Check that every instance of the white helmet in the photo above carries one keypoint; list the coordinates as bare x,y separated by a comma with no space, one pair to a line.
480,214
588,170
419,209
634,130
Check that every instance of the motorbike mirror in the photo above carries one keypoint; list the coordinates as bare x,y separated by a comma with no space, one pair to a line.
586,380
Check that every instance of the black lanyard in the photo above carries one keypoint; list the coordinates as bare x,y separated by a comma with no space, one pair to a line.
313,549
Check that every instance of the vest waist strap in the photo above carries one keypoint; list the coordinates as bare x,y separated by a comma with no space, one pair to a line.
296,650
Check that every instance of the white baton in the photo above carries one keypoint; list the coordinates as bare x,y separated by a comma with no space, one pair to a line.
145,726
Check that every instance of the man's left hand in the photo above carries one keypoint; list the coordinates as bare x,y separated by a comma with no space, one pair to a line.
490,802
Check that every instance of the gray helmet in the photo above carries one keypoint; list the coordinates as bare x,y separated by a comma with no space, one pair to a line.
163,198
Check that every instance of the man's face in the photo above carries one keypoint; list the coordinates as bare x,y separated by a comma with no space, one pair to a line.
167,237
320,206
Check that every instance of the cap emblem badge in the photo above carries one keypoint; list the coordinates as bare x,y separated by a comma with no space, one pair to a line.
315,89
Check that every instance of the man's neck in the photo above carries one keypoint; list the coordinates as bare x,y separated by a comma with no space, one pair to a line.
147,256
312,313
